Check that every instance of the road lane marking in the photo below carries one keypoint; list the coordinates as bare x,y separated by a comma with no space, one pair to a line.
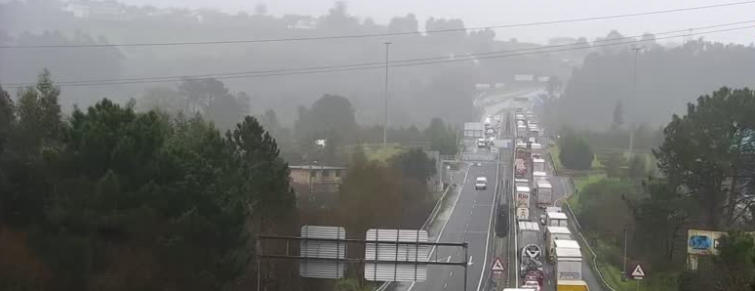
490,226
445,285
453,207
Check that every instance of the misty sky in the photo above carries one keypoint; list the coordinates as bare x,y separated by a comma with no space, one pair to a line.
497,12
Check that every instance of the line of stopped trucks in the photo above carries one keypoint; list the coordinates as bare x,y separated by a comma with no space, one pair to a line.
531,183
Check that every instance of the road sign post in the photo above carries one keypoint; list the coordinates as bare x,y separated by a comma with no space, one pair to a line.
638,274
497,266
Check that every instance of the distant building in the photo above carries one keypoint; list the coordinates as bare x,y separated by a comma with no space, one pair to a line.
524,78
316,184
107,9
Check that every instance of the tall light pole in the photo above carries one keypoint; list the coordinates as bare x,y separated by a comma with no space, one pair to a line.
385,97
636,50
624,273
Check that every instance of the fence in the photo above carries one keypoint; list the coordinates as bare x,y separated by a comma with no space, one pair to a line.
576,228
430,218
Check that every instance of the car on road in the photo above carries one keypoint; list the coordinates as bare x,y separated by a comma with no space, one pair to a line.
481,183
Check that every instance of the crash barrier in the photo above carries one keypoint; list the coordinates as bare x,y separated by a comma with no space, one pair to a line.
430,218
573,223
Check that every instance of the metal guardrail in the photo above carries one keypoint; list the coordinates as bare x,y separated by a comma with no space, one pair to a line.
430,218
595,267
575,223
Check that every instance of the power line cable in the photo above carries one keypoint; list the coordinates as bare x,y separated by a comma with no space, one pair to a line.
540,23
377,65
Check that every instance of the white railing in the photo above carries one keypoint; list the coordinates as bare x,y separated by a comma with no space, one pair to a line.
428,222
574,222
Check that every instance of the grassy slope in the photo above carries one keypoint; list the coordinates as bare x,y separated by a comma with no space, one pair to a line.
654,282
554,151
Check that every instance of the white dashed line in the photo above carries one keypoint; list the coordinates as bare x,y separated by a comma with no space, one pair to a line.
445,285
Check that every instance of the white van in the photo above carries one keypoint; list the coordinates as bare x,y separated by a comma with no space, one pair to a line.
481,183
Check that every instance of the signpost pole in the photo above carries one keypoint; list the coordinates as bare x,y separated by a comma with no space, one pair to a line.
638,285
466,267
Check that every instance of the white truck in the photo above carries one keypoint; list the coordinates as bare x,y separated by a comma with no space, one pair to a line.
533,132
552,234
567,244
553,209
523,196
521,131
568,264
538,165
529,239
556,219
539,176
544,194
522,182
536,151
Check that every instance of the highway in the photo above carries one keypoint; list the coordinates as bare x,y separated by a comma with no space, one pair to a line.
469,220
561,190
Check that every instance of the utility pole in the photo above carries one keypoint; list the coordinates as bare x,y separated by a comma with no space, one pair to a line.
626,276
636,50
385,93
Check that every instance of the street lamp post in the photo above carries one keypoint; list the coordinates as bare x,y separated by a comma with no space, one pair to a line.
636,50
385,93
626,276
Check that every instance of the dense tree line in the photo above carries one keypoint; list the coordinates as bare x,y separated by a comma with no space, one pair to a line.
574,151
417,94
667,78
331,118
111,199
706,168
375,195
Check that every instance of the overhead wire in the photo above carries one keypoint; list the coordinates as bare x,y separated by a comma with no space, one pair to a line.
397,63
272,40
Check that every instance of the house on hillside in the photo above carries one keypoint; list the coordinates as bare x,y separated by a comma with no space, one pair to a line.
316,185
106,9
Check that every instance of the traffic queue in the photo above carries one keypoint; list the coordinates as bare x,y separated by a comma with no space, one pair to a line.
531,185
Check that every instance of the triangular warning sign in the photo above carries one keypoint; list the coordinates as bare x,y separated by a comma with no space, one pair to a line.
497,265
638,272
